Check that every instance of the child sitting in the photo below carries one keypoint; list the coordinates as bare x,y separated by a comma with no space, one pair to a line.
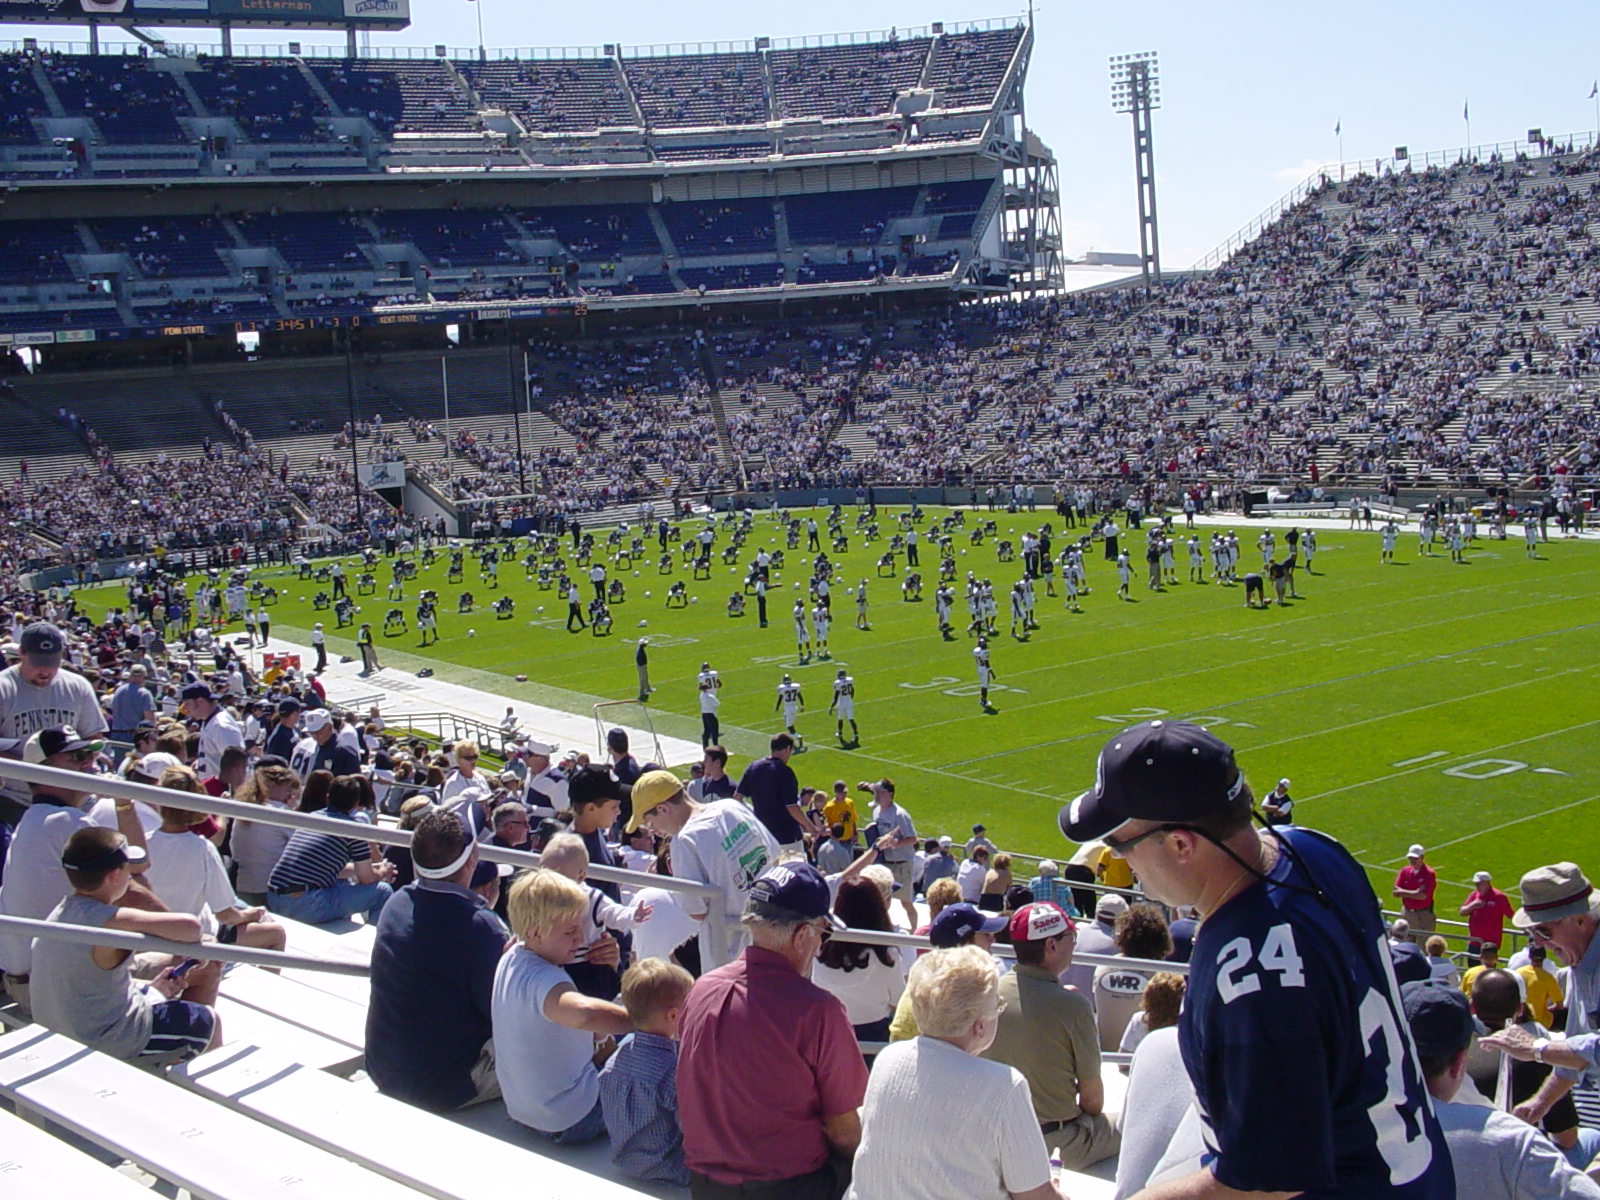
89,993
638,1086
567,854
545,1030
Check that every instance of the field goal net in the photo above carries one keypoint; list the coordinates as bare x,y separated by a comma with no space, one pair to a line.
634,717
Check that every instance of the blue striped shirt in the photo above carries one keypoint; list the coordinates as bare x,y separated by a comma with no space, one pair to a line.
312,861
639,1097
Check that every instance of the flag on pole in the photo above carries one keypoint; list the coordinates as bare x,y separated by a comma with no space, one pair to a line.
1338,127
1595,90
1465,116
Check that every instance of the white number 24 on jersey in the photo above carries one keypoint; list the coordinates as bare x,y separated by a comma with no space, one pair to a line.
1278,955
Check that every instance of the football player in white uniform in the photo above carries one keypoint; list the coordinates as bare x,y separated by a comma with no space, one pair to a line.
844,707
802,638
861,605
792,701
820,619
986,675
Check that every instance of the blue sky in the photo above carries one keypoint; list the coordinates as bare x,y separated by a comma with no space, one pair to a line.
1251,91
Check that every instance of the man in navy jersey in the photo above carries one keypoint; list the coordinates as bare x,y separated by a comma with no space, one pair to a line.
1305,1076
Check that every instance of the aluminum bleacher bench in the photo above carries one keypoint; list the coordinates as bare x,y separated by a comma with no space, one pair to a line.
242,1023
37,1166
432,1154
175,1135
288,1000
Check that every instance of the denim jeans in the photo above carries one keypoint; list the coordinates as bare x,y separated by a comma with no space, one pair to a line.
324,905
586,1129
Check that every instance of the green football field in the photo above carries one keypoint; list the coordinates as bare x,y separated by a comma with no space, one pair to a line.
1451,704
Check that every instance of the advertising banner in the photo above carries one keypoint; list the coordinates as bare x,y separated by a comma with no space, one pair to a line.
382,475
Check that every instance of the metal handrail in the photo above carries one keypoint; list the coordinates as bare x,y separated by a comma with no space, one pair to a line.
714,926
90,935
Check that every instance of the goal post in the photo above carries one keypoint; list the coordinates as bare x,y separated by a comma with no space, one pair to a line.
633,716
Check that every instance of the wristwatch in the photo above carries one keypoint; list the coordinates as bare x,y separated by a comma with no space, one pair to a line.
1539,1048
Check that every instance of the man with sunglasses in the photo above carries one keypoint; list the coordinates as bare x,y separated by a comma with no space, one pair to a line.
35,694
1558,912
1047,1032
34,883
1292,1019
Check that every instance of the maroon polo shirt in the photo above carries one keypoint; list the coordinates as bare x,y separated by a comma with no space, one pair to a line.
764,1056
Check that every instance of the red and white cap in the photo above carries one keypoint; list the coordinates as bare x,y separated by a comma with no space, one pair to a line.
1037,921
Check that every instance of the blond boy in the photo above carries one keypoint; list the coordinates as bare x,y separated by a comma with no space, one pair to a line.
638,1086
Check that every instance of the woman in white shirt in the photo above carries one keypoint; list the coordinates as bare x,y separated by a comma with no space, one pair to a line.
940,1121
867,979
257,847
465,792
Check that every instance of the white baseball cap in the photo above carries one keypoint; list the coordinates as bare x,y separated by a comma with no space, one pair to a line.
1416,851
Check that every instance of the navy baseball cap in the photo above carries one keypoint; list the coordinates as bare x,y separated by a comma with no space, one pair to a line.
957,922
792,891
1439,1016
1154,771
42,643
197,691
289,705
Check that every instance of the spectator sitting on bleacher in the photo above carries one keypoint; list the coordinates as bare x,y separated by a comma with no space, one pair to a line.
1496,1156
429,1020
186,872
1498,1003
638,1084
89,993
1437,950
33,882
1141,932
544,1028
309,883
1048,887
957,1003
954,923
257,846
1096,937
971,874
597,972
1047,1032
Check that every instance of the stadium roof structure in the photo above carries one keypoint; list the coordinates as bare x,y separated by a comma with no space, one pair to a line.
186,193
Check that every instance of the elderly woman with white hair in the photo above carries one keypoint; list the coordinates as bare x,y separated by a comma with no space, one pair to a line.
914,1147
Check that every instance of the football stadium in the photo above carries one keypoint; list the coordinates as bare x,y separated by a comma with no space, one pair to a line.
795,640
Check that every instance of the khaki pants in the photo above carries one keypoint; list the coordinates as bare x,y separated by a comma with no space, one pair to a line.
1421,921
484,1078
1084,1141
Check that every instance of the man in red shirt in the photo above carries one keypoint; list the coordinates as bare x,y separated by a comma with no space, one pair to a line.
770,1078
1415,885
1487,910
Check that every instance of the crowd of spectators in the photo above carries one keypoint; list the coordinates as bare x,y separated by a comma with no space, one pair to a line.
529,973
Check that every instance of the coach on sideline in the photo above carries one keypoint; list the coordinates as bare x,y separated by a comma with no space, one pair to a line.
1292,1020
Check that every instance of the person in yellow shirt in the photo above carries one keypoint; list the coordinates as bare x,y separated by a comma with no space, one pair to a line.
1111,870
1488,960
840,809
1544,992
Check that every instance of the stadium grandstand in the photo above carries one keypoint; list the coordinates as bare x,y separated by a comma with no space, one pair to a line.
272,317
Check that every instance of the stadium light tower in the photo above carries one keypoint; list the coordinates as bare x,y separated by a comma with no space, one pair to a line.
1136,89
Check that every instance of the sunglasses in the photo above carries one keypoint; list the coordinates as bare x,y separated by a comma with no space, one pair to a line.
466,758
1121,847
1542,932
82,756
